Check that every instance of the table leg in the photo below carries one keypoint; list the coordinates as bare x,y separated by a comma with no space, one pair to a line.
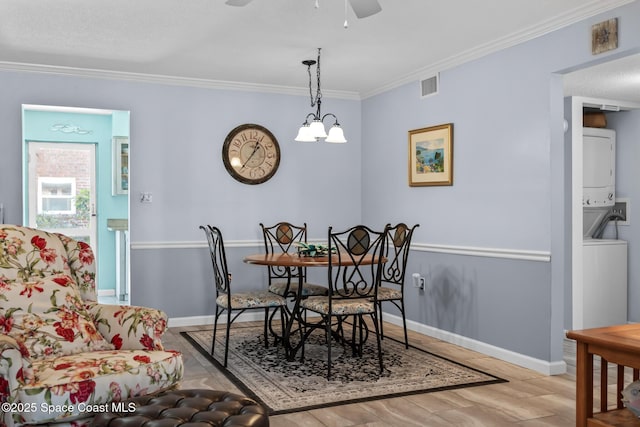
584,384
290,350
604,384
619,387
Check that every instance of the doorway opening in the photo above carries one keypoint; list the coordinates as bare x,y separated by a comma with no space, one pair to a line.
576,109
75,183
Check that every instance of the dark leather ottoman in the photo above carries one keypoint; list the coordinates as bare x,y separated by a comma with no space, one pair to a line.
188,408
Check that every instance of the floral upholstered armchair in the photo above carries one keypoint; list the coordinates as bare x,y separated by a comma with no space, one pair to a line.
63,356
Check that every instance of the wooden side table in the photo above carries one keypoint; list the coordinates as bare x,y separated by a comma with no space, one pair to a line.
614,344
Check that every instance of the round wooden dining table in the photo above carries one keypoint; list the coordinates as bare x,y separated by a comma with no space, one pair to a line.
294,260
284,259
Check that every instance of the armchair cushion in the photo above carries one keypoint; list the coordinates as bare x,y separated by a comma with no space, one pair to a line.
14,363
130,327
70,386
48,316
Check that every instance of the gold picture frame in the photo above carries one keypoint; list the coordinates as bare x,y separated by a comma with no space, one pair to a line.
431,156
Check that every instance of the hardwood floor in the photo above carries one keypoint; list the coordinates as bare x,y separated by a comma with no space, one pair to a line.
528,399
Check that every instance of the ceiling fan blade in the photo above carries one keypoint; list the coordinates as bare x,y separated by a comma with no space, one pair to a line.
364,8
237,2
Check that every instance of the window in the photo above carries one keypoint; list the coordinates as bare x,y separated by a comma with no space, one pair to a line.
56,195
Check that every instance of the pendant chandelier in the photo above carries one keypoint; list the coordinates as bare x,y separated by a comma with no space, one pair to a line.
314,131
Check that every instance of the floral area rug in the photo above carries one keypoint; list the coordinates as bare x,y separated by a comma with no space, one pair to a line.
265,375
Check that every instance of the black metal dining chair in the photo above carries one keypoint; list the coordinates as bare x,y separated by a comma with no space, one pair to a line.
392,284
354,274
284,281
228,302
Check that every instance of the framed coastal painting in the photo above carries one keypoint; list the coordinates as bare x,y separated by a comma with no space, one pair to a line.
431,156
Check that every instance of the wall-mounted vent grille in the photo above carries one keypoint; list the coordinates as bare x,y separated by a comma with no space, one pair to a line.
429,86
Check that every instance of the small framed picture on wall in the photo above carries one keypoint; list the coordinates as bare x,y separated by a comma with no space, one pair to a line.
431,156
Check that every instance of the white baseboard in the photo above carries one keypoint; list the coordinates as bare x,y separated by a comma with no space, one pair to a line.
176,322
542,366
106,292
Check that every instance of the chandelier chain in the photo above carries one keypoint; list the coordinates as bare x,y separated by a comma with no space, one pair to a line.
315,100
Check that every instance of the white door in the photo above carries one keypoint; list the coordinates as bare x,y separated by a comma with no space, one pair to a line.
62,189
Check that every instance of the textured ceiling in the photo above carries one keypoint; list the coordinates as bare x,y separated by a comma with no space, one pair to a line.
615,80
263,43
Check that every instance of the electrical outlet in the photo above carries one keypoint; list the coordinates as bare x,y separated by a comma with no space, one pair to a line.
418,281
621,208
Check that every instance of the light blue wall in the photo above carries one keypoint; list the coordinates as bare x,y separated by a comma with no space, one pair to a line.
120,122
37,127
177,135
509,187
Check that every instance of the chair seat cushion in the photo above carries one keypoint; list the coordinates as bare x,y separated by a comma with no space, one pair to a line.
251,300
73,386
308,289
320,304
385,294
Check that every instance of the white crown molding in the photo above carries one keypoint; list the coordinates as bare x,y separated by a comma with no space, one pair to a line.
588,10
172,80
592,8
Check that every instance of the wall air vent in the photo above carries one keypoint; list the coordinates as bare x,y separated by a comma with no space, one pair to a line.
429,86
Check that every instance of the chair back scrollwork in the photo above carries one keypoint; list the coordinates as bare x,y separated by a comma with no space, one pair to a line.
353,274
221,275
281,237
396,251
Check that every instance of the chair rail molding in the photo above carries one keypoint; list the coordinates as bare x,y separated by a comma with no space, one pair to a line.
514,254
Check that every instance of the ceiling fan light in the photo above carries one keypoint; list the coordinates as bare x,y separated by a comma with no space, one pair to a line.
336,135
304,134
317,129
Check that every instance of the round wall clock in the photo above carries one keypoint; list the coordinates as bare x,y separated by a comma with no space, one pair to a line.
251,154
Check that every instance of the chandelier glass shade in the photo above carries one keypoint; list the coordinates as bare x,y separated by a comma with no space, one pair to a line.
313,130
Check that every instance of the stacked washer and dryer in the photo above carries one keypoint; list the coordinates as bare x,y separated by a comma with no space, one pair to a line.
604,260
